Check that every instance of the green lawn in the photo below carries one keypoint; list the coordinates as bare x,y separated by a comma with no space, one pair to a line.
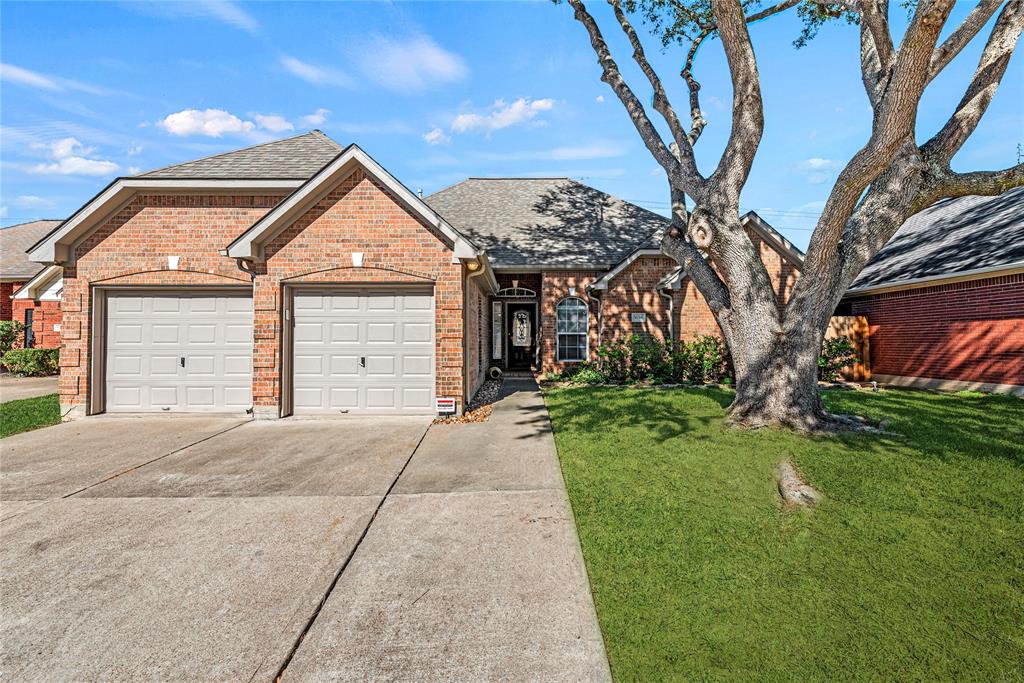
28,413
911,569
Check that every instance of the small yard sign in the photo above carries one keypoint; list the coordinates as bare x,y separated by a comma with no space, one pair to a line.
445,406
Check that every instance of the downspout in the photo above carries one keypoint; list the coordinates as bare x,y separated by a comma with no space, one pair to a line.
593,293
245,266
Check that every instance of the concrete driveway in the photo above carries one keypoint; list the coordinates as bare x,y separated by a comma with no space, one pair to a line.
342,549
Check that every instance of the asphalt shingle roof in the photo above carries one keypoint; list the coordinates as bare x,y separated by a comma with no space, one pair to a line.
956,235
14,263
294,158
555,222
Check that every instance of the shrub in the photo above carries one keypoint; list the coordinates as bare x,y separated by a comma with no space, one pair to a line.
613,359
32,362
836,354
710,360
11,335
647,359
588,373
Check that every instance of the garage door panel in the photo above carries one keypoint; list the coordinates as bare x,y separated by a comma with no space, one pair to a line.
392,332
309,365
149,335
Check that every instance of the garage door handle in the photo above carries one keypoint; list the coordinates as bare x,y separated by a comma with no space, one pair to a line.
183,361
362,361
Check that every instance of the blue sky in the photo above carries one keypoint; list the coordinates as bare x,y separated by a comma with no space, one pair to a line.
434,91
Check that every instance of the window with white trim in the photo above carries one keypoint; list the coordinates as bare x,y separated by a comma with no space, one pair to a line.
572,318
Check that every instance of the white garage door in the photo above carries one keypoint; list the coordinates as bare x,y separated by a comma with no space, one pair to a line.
363,351
190,353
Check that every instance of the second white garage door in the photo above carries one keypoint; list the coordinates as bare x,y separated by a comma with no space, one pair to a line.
363,351
170,352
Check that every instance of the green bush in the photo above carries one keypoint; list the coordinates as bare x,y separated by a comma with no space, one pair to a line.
836,355
647,358
32,362
613,359
588,373
11,335
710,360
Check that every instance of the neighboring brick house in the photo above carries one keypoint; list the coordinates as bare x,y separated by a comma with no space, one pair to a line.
42,312
944,299
299,277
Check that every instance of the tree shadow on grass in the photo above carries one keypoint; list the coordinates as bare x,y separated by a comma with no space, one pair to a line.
941,425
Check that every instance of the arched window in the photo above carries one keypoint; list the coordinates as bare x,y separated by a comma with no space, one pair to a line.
572,318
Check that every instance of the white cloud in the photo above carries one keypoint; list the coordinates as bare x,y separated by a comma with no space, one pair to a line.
273,122
817,170
657,171
599,98
316,75
222,10
212,123
375,128
31,201
135,150
317,118
134,170
501,115
436,137
69,158
409,64
32,79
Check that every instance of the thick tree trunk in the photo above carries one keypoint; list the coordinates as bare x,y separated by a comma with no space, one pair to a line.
777,385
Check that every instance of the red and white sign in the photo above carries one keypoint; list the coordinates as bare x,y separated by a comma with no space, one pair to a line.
444,406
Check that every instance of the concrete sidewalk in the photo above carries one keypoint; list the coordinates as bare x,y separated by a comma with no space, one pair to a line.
14,388
471,570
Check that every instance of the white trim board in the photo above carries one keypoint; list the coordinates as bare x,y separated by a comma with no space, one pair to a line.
40,283
936,280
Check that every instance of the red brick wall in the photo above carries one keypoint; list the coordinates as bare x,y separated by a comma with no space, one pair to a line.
634,290
132,247
7,289
45,315
969,331
358,215
555,285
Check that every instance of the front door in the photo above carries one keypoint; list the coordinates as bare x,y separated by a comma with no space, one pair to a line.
521,335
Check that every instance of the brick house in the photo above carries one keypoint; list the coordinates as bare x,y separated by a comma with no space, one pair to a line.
944,299
40,312
299,277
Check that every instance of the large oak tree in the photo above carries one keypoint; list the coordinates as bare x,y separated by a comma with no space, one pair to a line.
893,176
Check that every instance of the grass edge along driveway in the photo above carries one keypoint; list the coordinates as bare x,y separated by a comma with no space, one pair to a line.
28,413
911,569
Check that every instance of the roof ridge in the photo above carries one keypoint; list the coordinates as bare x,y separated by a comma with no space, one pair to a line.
316,133
516,177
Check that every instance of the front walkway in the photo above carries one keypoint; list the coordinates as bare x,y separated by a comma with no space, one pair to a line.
471,570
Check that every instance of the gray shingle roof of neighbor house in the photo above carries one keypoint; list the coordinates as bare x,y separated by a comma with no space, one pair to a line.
954,236
14,241
554,222
297,158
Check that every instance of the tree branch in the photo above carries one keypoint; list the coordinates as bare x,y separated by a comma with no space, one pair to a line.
648,133
676,244
985,183
963,35
661,102
987,77
748,108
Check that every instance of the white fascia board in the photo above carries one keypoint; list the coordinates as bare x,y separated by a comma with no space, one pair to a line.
604,280
933,280
39,283
248,246
774,237
56,246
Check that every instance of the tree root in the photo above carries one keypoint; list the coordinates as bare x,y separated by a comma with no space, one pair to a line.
817,423
793,489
